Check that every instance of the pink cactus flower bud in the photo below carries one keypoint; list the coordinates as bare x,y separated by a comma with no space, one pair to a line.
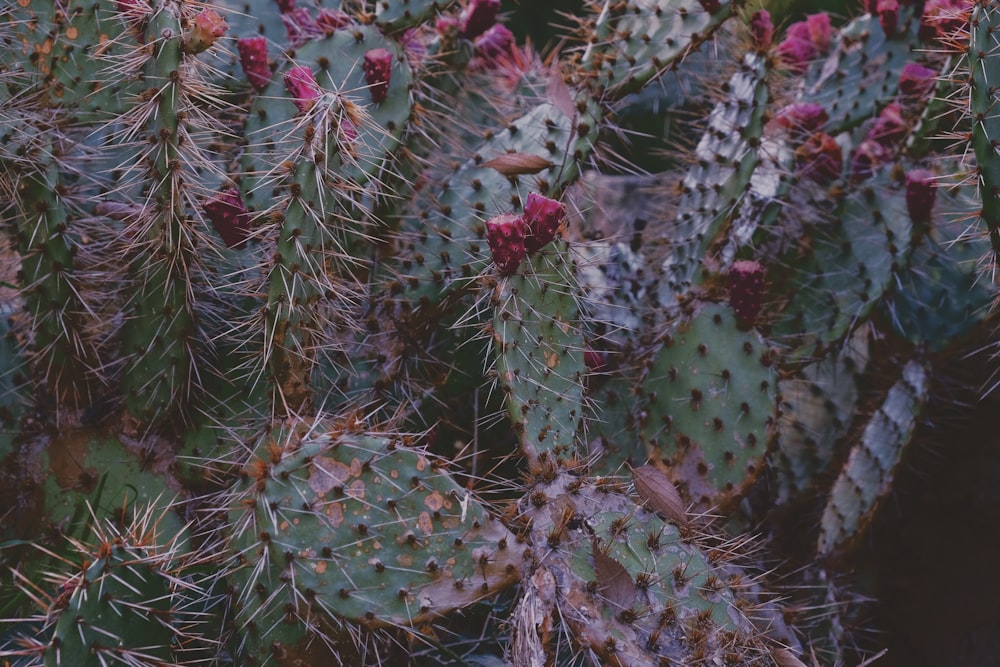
867,158
819,158
446,26
285,6
478,17
253,58
710,6
505,236
802,119
332,20
888,15
229,217
206,27
762,29
920,194
301,26
542,217
378,72
495,43
916,81
746,290
301,84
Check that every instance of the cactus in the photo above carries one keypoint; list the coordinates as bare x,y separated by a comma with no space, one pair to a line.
321,339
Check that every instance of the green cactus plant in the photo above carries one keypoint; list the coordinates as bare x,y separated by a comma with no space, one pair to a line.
323,282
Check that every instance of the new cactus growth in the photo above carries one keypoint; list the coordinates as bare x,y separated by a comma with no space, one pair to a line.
337,291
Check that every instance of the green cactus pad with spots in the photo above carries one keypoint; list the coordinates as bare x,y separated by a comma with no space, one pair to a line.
539,347
393,15
360,528
708,405
868,474
443,241
846,264
630,43
984,77
861,74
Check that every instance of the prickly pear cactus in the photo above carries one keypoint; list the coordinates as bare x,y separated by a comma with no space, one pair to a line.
321,344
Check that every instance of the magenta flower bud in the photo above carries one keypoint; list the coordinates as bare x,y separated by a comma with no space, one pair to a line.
285,6
802,119
820,31
762,29
888,15
942,18
301,84
495,42
542,217
378,72
796,51
253,58
710,6
229,217
916,81
206,27
921,191
301,26
505,236
478,17
889,128
746,291
867,157
819,158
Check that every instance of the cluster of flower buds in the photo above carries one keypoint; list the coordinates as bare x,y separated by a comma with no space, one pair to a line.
513,237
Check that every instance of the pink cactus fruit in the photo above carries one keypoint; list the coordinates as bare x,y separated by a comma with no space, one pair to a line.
505,236
301,84
378,72
889,128
285,6
495,43
819,158
301,26
920,194
229,217
746,290
710,6
804,41
253,58
888,15
916,82
802,119
542,217
206,27
478,17
762,29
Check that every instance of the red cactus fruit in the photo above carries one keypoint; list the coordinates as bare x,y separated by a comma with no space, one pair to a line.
301,84
889,128
762,29
920,194
888,15
710,6
253,58
206,27
301,26
802,119
819,158
285,6
542,217
820,31
746,290
229,217
378,72
505,236
478,17
495,43
916,81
